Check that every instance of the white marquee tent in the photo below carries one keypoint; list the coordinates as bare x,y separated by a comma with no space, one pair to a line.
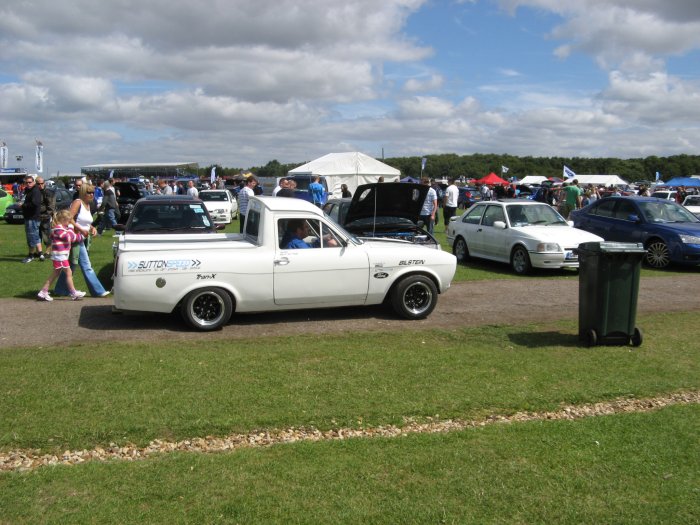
600,180
351,168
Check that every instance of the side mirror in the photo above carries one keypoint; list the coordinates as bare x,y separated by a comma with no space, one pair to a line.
633,217
570,223
220,226
454,218
500,225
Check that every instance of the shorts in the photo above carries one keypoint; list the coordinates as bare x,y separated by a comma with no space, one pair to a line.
31,229
58,265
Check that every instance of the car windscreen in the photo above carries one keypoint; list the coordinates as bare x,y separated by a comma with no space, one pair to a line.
213,196
169,217
534,215
666,211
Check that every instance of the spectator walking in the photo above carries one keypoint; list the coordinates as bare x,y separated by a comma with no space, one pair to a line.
31,209
345,192
63,235
109,209
48,204
80,210
244,195
316,190
429,209
451,201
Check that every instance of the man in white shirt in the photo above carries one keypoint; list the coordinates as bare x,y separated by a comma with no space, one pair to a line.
191,190
451,200
243,196
427,213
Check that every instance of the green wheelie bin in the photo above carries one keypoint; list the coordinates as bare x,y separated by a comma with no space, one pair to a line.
608,289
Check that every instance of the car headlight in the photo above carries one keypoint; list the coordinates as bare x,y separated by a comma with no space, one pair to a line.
690,239
548,247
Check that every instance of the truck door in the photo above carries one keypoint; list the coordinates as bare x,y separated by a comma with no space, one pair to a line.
313,266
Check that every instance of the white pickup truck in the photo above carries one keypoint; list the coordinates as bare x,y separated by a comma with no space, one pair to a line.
290,256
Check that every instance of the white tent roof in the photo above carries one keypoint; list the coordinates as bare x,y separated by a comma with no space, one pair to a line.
533,179
601,180
351,168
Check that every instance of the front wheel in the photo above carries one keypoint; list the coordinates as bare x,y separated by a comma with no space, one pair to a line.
460,250
637,337
520,261
207,309
414,297
658,255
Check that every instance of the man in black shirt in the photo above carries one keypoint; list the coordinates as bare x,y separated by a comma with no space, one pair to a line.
31,209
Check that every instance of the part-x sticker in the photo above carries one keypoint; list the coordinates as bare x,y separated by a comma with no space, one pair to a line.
163,265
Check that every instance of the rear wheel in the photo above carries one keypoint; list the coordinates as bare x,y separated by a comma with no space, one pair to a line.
658,255
591,337
414,297
460,249
520,261
207,309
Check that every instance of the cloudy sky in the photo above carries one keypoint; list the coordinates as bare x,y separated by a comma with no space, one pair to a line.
241,82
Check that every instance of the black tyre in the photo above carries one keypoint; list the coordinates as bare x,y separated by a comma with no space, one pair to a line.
207,309
591,338
414,297
657,255
520,261
460,250
637,337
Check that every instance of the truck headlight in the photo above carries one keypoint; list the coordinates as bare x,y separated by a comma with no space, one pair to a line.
690,239
548,247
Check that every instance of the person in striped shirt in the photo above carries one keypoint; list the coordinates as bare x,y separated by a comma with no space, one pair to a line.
63,235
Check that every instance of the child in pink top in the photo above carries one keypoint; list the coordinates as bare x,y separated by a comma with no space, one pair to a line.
63,236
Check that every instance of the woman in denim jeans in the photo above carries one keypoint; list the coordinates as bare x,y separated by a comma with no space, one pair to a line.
80,209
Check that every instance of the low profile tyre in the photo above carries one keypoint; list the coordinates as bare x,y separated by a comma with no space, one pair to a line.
637,337
657,255
460,250
591,338
207,309
520,261
414,297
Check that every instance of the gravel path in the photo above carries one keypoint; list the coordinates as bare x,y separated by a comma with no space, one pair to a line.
534,299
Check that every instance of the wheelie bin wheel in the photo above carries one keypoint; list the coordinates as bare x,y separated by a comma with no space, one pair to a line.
637,337
591,337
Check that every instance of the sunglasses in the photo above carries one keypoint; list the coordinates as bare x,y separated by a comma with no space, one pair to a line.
90,192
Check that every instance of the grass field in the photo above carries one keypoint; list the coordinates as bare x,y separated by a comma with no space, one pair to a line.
625,468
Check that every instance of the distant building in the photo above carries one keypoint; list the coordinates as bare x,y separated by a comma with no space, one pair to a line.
154,170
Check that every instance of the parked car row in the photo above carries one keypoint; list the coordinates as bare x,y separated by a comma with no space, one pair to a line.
13,212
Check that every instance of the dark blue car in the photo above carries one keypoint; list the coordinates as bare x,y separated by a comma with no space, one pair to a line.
668,231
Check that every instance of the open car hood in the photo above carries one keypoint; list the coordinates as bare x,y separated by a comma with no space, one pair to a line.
128,191
402,200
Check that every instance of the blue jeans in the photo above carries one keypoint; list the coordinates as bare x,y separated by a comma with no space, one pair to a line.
31,229
93,283
109,221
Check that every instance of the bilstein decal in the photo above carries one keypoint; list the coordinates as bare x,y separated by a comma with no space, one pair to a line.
411,262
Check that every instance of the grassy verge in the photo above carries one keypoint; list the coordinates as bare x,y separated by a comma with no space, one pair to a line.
628,469
82,396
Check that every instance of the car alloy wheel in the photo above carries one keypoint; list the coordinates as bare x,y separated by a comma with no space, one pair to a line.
207,308
657,254
414,297
460,250
520,261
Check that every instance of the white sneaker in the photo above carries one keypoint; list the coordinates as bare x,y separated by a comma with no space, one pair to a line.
77,295
28,259
44,296
105,294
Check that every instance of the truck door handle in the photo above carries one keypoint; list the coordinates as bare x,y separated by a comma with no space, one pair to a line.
282,262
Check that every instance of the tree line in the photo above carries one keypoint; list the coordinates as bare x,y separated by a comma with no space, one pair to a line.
477,165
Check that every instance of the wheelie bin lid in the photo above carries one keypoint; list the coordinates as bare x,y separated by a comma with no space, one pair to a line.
611,247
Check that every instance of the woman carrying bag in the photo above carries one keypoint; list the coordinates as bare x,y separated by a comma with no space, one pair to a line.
80,210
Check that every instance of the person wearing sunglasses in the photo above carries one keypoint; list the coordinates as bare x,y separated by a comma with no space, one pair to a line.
80,210
31,209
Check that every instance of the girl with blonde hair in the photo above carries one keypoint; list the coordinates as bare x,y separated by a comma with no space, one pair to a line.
63,235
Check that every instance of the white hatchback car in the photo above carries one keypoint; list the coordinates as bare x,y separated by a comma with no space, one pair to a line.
220,204
692,204
523,233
